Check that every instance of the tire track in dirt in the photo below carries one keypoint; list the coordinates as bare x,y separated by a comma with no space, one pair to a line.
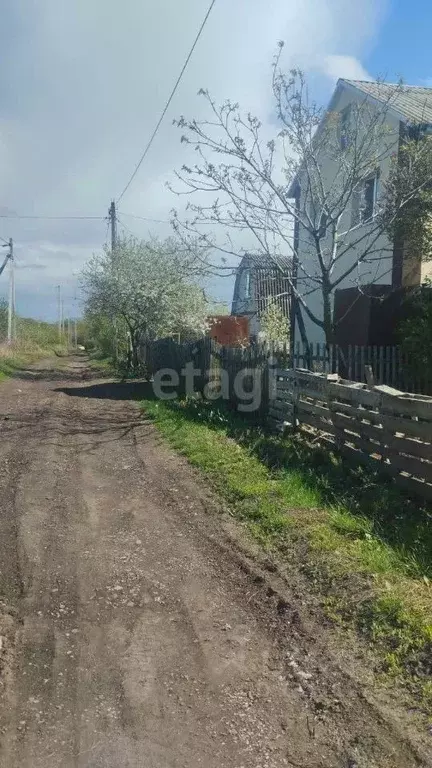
148,637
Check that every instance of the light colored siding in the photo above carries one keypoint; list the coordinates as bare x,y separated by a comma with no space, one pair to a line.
380,272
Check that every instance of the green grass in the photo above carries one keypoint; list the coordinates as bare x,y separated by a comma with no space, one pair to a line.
364,546
102,364
35,340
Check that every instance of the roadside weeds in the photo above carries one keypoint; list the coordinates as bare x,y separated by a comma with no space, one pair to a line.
364,547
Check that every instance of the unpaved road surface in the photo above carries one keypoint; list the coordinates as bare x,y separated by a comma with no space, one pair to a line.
132,635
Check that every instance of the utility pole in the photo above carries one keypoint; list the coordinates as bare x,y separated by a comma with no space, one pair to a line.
11,305
59,312
62,323
3,266
75,334
113,220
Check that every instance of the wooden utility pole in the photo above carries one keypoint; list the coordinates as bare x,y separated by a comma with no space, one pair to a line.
62,324
59,312
11,305
113,220
75,334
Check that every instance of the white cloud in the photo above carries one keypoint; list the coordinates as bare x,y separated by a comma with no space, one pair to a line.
348,67
83,84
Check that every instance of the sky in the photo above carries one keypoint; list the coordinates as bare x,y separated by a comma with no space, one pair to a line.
82,85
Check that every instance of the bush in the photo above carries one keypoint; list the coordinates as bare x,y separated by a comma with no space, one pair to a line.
416,332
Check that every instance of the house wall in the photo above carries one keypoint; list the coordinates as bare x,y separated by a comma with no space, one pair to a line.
242,305
380,272
263,283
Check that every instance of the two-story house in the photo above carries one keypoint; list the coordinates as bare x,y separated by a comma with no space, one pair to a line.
258,279
364,301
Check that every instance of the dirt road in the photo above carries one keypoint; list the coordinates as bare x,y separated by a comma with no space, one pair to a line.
132,635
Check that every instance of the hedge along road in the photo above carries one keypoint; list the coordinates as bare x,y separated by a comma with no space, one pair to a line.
134,632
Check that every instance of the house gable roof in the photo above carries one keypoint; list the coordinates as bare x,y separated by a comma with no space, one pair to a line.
409,103
262,261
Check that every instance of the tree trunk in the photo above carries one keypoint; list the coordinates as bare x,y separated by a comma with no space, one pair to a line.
328,316
134,350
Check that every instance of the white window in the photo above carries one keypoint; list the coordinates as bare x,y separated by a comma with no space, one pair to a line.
364,199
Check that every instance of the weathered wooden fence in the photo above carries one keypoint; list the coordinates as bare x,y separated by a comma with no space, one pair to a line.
390,365
380,426
244,368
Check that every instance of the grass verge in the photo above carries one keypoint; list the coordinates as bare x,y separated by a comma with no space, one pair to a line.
14,359
363,545
35,340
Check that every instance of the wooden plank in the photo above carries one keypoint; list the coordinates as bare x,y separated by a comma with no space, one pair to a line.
362,445
354,412
303,375
363,430
285,386
405,407
405,445
354,393
311,420
312,394
414,487
357,457
279,405
411,465
285,397
394,424
319,410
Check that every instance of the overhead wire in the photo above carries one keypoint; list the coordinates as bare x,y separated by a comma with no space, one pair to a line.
125,228
60,218
165,109
145,218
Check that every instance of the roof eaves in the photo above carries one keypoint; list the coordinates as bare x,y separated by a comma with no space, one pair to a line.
369,97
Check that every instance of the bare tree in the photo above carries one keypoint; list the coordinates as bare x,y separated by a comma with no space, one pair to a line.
304,193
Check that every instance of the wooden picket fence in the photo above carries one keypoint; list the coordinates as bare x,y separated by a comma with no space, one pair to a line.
209,357
381,426
390,365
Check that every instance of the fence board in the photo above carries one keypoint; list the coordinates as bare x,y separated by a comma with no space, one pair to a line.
357,413
411,465
364,423
316,422
411,447
409,427
354,394
414,486
319,410
365,430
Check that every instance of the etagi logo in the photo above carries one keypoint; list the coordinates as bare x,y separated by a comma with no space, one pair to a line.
246,385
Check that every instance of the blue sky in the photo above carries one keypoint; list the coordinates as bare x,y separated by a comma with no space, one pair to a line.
83,83
403,45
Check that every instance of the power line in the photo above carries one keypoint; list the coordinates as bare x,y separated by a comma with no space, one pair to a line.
125,228
145,218
165,109
18,216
